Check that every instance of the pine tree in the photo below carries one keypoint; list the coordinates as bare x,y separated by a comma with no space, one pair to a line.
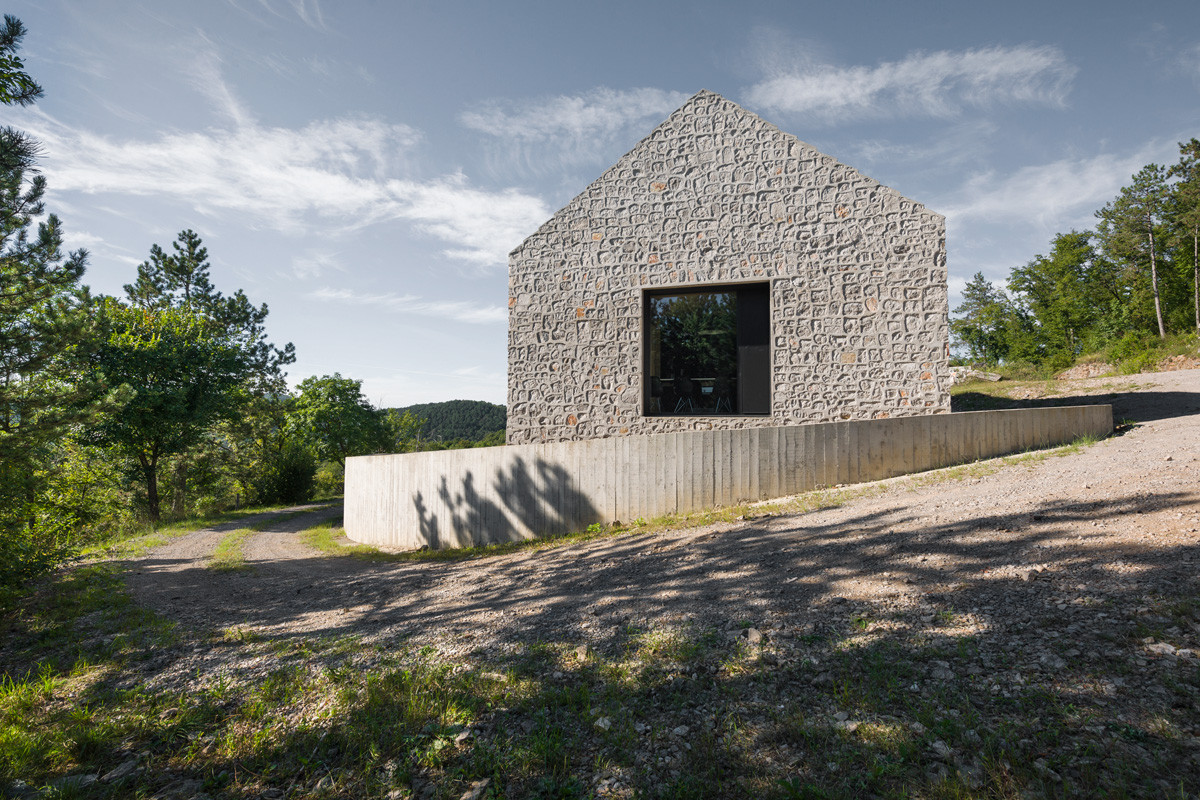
1129,224
181,280
195,358
984,321
1186,210
16,87
45,335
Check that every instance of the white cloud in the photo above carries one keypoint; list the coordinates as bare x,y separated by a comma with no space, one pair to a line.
73,240
309,12
547,135
204,73
314,265
412,304
599,113
1058,195
484,225
345,173
937,84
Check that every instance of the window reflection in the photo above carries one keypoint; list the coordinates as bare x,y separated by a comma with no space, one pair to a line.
693,353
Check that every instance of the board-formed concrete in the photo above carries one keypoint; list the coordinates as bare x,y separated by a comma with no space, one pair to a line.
458,498
716,196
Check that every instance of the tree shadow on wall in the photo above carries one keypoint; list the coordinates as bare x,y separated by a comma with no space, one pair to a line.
523,503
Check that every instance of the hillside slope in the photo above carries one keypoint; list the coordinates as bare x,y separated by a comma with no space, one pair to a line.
458,419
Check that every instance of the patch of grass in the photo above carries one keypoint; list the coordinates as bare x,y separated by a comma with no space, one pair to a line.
229,553
329,538
668,645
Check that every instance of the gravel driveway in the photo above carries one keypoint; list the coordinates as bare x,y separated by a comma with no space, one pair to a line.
1119,518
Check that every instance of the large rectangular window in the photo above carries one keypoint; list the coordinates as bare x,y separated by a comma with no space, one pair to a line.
707,351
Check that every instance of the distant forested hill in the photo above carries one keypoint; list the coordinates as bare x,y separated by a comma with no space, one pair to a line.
458,419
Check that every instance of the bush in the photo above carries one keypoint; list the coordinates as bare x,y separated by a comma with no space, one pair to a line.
289,476
330,480
1131,346
1141,352
29,548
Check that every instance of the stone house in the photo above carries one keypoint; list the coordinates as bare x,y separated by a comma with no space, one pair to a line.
724,274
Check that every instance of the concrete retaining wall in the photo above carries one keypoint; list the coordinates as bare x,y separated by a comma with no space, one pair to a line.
456,498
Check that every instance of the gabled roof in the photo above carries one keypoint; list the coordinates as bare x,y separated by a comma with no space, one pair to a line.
710,106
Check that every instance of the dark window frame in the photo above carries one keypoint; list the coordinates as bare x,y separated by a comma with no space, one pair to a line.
755,392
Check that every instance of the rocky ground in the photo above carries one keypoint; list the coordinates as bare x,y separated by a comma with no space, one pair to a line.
1125,507
1022,627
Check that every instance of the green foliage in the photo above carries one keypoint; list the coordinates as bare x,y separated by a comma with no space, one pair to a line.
180,280
493,439
1185,213
698,333
1126,290
207,384
45,335
1140,352
403,430
983,327
16,86
330,480
288,475
1057,292
334,418
185,372
1131,232
471,420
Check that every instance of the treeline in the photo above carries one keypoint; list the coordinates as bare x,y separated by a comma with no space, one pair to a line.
459,421
1128,289
167,401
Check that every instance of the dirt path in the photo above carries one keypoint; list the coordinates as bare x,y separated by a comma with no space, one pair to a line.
1113,523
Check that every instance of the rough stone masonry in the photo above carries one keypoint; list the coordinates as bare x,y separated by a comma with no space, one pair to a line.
716,195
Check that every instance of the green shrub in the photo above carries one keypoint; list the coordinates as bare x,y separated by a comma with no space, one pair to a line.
330,480
289,476
33,545
1130,346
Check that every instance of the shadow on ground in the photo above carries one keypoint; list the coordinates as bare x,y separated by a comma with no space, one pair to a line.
786,566
1045,693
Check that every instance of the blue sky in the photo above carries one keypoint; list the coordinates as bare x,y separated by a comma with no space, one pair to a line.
364,167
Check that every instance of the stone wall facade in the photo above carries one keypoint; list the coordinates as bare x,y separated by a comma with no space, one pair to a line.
716,195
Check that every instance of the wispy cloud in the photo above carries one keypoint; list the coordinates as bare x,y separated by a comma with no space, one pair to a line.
346,173
600,112
459,311
340,175
76,240
1188,61
314,264
1060,194
546,134
940,84
952,146
205,76
307,11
